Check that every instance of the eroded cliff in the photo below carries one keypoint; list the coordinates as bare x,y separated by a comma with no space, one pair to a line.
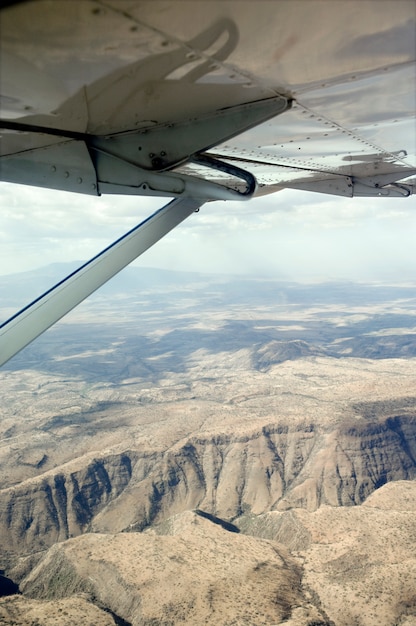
277,467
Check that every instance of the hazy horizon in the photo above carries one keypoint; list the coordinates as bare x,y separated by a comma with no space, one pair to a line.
293,234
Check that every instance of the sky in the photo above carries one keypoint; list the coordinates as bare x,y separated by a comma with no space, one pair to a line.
290,234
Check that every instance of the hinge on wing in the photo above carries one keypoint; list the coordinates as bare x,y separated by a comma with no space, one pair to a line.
232,170
142,162
384,185
117,176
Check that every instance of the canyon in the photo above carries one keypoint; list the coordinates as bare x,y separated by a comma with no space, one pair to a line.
247,444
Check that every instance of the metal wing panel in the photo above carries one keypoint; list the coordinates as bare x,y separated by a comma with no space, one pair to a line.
111,66
63,165
297,43
305,138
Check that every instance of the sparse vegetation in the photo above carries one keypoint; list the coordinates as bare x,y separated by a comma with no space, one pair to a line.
253,417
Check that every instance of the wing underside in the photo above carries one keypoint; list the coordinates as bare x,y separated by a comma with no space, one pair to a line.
99,96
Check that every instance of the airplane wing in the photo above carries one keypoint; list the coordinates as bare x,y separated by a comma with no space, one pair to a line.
213,99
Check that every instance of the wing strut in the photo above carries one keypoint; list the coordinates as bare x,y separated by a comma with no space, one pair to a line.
43,312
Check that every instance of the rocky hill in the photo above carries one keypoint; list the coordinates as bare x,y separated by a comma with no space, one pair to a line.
298,568
207,574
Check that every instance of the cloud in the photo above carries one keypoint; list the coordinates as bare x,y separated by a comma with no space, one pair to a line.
292,233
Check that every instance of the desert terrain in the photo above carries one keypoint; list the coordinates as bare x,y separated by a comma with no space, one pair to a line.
188,448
